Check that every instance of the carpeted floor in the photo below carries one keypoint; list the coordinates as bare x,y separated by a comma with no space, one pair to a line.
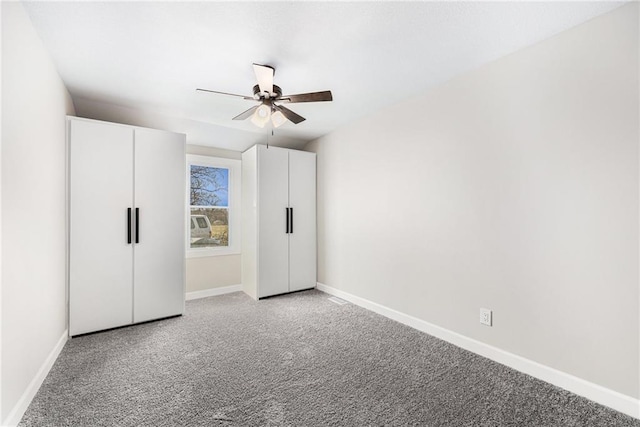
294,360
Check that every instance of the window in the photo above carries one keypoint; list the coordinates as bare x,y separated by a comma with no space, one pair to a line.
214,206
209,203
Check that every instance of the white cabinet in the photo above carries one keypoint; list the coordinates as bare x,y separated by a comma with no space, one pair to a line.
279,221
126,224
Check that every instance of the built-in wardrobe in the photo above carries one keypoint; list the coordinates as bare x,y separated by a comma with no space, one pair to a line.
278,221
126,224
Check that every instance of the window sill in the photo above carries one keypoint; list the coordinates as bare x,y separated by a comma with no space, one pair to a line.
201,253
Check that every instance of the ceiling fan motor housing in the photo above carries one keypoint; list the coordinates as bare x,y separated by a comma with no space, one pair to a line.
277,93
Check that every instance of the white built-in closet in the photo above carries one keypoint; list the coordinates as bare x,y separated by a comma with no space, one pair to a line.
126,223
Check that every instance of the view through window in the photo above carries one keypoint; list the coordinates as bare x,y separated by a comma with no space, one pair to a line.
209,203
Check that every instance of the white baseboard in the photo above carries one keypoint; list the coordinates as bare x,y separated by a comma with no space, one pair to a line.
21,406
212,292
602,395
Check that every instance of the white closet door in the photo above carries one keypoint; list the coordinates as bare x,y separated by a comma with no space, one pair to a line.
302,240
273,240
160,199
100,257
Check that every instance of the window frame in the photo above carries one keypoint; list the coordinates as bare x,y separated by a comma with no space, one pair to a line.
233,205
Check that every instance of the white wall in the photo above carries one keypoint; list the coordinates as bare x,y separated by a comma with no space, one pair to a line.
215,271
34,105
513,187
1,43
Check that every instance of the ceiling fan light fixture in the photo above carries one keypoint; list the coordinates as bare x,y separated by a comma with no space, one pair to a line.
278,119
261,116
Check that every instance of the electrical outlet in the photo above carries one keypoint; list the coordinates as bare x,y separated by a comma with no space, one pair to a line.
486,317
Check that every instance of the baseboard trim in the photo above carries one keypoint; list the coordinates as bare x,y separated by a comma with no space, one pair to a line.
212,292
599,394
21,406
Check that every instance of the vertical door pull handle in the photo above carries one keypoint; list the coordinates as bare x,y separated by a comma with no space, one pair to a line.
291,221
287,215
129,226
137,225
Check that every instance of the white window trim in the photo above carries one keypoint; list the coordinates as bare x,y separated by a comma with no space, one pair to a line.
235,184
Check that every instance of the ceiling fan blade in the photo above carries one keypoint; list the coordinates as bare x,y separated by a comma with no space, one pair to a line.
246,114
308,97
264,75
290,115
225,93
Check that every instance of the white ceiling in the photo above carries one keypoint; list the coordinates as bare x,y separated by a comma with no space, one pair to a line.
140,62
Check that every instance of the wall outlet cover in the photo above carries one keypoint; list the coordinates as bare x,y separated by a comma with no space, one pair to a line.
486,317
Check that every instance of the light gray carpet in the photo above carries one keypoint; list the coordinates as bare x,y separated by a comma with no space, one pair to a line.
294,360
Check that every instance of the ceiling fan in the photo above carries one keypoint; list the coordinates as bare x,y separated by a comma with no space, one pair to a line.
270,98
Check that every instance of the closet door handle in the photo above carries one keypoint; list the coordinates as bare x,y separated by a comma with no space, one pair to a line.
129,226
291,221
287,215
137,225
